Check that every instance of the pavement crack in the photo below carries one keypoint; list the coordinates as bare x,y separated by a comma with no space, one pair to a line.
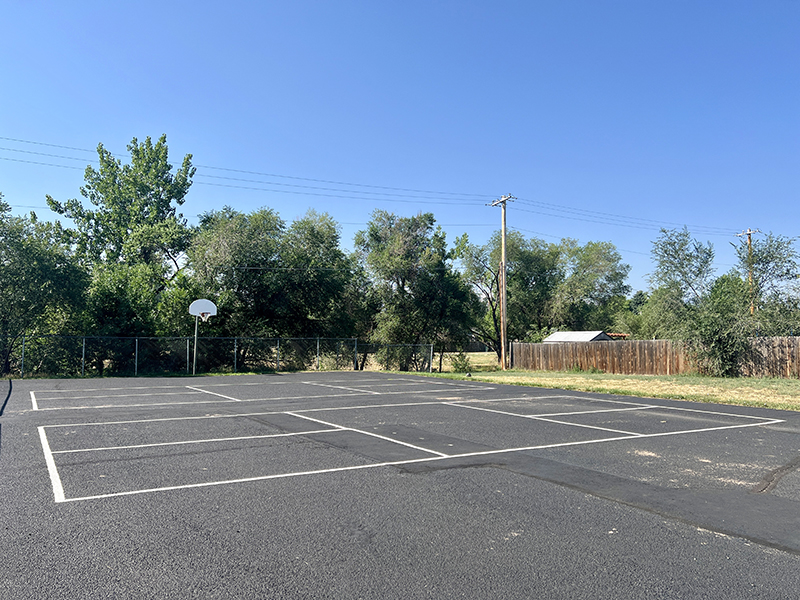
771,479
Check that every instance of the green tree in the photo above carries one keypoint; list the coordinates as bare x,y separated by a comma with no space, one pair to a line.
319,276
719,327
771,263
270,280
661,315
532,274
423,299
40,284
135,218
236,262
592,287
682,263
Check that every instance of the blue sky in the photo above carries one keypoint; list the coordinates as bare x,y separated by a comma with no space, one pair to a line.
607,119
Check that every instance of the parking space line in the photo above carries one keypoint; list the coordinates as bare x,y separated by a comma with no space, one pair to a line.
184,442
339,387
55,479
213,393
59,492
375,435
540,418
33,401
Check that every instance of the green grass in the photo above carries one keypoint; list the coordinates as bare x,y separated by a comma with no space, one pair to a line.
781,394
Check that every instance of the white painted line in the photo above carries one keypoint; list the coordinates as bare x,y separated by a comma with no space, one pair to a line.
196,402
539,418
355,392
139,405
595,412
33,401
213,393
247,479
713,412
115,389
181,443
375,435
339,387
55,480
385,464
632,433
105,396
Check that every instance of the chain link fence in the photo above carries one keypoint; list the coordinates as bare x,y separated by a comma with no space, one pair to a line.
97,356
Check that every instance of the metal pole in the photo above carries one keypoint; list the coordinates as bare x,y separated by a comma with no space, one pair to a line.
430,364
22,364
83,358
278,363
235,353
194,365
317,354
355,354
136,359
187,354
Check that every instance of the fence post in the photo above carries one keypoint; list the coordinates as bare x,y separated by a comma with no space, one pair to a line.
430,364
187,355
355,354
83,358
22,364
235,353
317,353
136,359
278,363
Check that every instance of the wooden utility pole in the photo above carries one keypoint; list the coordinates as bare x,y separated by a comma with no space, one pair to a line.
749,233
503,304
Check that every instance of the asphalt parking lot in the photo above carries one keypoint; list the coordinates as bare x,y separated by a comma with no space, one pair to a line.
369,485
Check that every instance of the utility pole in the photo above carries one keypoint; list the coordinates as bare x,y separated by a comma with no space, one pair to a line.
749,233
503,304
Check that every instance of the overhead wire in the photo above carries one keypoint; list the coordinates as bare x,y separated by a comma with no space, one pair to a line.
433,197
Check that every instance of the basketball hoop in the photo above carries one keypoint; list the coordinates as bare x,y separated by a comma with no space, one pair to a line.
200,309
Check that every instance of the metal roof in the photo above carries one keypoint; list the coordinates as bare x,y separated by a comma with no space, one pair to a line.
577,336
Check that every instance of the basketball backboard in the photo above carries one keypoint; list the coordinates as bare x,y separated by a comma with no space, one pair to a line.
203,308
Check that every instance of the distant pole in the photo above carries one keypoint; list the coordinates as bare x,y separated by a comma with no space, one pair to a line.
749,233
502,277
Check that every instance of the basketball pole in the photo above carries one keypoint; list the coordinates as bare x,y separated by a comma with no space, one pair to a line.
194,364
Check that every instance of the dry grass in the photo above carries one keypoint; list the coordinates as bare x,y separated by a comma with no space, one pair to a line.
770,393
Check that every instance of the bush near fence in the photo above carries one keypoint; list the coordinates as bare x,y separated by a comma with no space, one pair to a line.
768,357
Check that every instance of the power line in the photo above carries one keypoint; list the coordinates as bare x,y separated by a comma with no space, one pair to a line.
376,199
612,219
262,174
544,208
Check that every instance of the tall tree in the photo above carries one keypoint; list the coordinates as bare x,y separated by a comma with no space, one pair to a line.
424,300
532,275
772,263
593,285
236,261
135,219
683,263
40,284
272,280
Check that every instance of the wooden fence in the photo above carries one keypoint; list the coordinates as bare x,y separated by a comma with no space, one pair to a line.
769,357
773,357
635,357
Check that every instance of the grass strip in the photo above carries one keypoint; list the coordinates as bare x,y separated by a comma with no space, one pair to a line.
782,394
